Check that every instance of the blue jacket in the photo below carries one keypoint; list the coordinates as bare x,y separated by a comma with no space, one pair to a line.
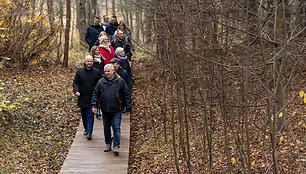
92,34
111,28
110,94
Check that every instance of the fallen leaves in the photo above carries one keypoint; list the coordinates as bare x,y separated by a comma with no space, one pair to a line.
42,125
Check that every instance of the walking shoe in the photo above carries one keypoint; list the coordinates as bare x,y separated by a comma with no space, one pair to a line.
116,151
85,132
108,148
89,137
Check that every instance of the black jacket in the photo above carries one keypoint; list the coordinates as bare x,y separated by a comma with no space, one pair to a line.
123,74
111,28
117,42
92,34
110,94
125,64
84,82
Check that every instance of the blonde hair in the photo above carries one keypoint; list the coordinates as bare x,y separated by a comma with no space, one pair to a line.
102,38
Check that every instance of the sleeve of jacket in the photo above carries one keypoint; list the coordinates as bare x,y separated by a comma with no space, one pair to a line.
129,70
127,96
96,95
127,80
76,83
87,35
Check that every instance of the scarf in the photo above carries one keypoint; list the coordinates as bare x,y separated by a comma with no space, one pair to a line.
106,47
97,58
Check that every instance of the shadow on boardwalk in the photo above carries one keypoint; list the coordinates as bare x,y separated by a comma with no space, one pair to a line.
88,156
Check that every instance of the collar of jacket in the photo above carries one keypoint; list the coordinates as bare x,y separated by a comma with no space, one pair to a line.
115,78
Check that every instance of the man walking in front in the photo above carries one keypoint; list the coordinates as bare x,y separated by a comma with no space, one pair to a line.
84,84
110,92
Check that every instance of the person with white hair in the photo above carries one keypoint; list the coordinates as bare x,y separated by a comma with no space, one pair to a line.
109,94
84,83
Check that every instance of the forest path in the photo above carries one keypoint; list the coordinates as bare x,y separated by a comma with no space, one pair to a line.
87,156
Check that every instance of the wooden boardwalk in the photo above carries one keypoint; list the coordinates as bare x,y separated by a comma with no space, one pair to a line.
87,156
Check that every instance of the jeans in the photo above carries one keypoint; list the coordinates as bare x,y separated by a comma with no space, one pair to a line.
88,119
112,119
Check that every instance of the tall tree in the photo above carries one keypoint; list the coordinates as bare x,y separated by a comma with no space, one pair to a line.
67,29
82,21
113,8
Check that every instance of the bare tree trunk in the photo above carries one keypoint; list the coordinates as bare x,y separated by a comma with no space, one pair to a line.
137,23
59,44
113,8
106,7
278,65
94,8
88,12
246,87
51,14
81,17
67,29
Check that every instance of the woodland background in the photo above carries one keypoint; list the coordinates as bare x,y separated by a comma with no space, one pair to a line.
219,84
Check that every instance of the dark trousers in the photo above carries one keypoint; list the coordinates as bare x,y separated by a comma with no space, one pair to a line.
88,119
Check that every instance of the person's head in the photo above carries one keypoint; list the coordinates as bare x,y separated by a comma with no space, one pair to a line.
103,33
120,33
104,40
121,22
96,20
105,18
109,71
88,60
120,51
122,27
115,64
94,51
113,19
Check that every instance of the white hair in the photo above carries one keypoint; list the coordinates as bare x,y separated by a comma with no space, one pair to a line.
88,56
119,50
110,66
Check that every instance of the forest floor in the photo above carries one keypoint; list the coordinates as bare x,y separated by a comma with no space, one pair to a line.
36,135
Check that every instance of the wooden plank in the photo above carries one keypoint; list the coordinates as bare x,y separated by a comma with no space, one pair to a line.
87,156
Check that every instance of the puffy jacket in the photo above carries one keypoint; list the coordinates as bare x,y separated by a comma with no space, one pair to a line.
84,82
92,34
108,57
117,42
110,94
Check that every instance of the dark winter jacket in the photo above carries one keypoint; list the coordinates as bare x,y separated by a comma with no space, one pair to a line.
110,94
117,42
125,64
111,28
92,34
84,82
123,74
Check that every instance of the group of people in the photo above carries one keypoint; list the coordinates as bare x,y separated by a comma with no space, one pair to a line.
104,85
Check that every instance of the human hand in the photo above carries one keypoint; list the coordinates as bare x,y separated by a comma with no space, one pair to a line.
94,110
77,94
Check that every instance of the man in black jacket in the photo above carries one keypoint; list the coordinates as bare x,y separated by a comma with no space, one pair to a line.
92,32
110,92
120,41
84,84
121,72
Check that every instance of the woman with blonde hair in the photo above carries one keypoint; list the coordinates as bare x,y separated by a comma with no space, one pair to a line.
106,49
